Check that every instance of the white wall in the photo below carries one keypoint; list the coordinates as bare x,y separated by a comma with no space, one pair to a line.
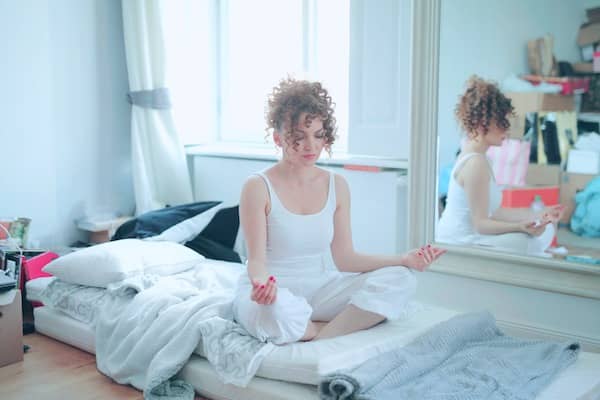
64,128
489,38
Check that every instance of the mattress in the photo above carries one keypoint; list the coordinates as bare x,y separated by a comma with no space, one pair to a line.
35,287
305,362
579,381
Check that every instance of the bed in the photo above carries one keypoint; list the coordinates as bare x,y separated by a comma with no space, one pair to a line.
291,372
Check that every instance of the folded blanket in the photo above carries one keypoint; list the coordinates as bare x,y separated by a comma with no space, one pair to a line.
464,358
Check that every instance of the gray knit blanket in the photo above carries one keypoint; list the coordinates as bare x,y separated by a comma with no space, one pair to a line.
464,358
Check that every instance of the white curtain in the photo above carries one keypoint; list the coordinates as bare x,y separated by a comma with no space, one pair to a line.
159,165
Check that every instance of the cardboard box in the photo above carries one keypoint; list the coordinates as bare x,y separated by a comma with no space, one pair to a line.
583,162
593,14
523,196
526,102
570,184
539,174
589,33
583,67
11,328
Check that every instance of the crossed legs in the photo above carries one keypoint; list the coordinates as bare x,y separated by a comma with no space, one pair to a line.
351,319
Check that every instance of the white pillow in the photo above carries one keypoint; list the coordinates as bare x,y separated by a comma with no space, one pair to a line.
114,261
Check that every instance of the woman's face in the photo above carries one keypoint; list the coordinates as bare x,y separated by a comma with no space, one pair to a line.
495,135
310,137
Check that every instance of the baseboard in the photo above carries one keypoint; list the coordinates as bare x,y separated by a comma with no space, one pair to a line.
588,343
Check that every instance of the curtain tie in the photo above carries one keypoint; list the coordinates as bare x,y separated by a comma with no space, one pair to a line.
158,99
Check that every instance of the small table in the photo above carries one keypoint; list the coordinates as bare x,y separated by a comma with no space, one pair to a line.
11,327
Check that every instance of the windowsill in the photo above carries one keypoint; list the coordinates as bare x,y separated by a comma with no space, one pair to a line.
268,153
532,272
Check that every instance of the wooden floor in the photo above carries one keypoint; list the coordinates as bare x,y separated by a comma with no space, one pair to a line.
53,370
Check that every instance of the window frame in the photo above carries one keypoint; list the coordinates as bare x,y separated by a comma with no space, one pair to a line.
309,56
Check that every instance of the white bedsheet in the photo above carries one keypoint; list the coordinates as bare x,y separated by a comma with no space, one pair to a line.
35,287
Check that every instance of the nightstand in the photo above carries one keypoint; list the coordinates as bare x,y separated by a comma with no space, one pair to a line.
11,327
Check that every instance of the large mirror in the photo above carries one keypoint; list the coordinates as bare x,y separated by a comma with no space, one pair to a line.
547,141
546,157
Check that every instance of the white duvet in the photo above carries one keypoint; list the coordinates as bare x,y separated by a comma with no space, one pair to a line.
150,325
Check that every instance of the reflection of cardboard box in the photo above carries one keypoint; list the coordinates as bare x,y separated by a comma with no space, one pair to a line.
588,34
525,102
11,328
538,174
569,186
583,67
523,196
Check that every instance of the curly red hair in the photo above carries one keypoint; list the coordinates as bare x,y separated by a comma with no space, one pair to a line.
290,99
482,104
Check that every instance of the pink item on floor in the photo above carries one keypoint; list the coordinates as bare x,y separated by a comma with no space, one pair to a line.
32,268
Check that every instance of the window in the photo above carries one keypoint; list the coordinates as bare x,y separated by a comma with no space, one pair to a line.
225,56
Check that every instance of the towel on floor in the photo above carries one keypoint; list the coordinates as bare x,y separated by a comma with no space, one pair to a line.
464,358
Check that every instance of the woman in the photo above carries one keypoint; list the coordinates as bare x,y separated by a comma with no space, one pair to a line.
296,221
473,213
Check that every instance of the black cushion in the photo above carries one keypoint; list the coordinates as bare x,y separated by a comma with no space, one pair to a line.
223,228
216,240
155,222
212,249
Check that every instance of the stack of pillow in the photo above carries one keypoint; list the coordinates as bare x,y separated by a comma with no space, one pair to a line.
112,262
162,242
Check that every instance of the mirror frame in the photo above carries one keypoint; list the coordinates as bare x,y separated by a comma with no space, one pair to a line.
513,269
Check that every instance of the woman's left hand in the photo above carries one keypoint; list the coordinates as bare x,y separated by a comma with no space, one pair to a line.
422,257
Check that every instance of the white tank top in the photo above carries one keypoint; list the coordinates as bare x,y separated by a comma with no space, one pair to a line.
455,225
298,243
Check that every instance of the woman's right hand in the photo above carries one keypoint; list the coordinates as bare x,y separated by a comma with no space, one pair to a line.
533,228
264,293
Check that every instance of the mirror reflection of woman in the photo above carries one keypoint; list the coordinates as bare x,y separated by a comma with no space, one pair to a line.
473,214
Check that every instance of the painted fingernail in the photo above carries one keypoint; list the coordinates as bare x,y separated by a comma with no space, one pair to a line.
419,253
271,278
262,286
428,246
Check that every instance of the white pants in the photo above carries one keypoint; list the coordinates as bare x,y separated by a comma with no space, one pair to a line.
520,242
320,297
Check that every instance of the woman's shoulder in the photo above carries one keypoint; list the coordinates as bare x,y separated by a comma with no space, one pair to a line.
255,184
342,189
339,180
475,162
475,169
